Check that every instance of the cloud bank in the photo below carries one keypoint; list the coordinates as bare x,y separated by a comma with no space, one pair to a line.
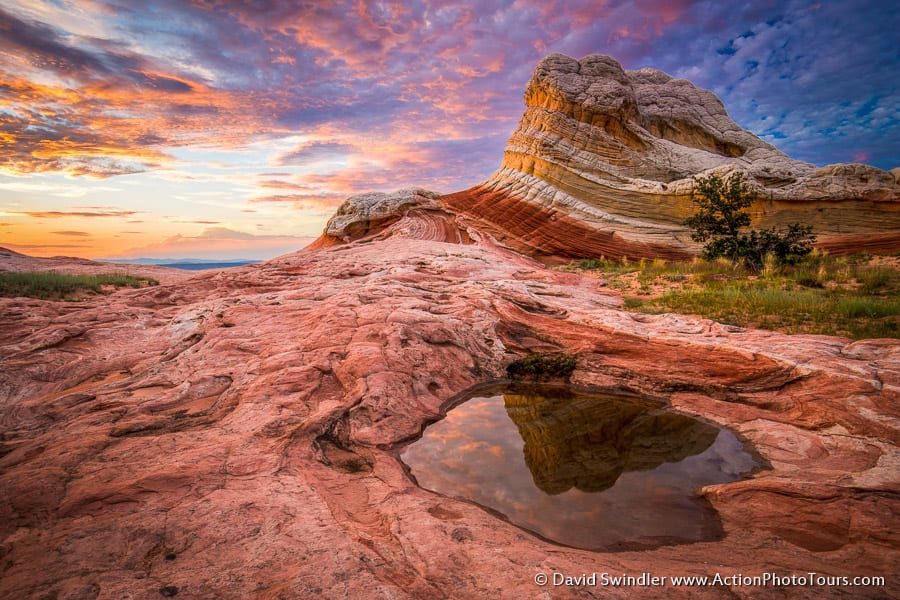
417,85
220,243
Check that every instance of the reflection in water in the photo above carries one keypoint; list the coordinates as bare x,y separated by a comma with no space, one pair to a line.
598,470
578,441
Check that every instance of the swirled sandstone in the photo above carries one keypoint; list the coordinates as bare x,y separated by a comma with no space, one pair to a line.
234,434
603,161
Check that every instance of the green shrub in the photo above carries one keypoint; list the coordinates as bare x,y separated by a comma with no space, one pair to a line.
874,279
608,265
821,294
541,367
589,264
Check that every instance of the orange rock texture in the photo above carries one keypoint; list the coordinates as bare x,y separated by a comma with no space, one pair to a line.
235,434
616,151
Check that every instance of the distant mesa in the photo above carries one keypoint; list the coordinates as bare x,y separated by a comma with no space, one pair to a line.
14,261
7,253
603,160
189,264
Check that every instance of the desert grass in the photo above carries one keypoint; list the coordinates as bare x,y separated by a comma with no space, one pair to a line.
50,285
856,296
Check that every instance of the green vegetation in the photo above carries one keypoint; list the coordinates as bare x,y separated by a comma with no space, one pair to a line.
720,224
856,296
542,367
50,285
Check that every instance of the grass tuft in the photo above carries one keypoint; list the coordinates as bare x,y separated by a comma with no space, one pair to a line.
50,285
854,296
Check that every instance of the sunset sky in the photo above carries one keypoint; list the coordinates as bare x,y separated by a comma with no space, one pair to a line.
232,129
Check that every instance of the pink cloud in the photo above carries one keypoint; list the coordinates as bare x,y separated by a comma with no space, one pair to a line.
220,243
389,75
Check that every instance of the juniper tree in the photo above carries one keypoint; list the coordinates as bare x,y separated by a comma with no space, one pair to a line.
721,222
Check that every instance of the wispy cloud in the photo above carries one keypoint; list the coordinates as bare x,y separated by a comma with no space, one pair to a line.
72,233
44,246
169,74
58,214
316,152
98,107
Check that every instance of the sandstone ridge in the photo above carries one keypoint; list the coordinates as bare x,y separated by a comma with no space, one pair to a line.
235,434
617,151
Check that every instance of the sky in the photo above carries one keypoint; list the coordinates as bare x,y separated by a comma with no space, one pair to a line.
234,128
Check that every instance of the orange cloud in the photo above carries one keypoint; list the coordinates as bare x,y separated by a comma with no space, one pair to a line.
98,110
57,214
26,247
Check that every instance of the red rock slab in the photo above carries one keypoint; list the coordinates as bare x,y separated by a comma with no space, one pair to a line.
554,235
236,434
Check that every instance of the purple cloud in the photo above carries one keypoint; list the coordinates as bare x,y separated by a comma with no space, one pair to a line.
438,85
316,152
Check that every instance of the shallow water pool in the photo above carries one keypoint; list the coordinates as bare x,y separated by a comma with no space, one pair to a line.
585,470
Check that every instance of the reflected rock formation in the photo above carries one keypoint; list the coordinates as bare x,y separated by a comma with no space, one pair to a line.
588,441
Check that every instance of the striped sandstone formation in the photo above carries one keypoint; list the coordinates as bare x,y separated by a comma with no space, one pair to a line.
603,162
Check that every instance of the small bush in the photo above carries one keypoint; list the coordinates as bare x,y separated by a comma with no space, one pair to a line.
607,265
874,279
632,302
810,278
589,264
542,367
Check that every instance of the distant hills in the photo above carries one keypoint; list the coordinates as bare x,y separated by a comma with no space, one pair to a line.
188,264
